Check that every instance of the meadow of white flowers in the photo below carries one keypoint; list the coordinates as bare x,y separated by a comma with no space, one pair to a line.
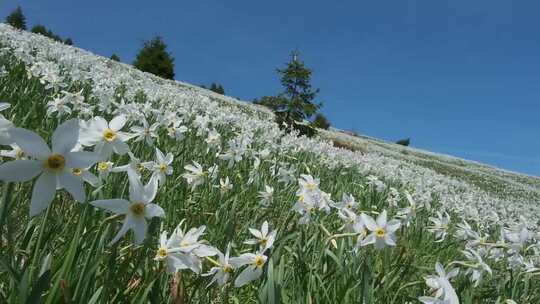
121,187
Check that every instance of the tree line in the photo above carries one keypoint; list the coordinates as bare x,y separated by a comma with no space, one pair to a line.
18,20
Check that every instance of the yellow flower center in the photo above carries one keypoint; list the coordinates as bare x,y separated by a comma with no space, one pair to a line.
311,186
227,268
259,261
137,209
103,166
140,167
55,162
76,171
263,242
380,233
109,135
163,167
161,253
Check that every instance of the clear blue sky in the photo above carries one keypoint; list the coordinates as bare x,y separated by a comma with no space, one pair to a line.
458,77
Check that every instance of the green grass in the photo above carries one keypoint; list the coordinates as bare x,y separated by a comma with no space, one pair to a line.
304,266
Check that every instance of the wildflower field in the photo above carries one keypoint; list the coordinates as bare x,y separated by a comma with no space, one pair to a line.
121,187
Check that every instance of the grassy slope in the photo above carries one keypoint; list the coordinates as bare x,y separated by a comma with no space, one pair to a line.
495,181
304,267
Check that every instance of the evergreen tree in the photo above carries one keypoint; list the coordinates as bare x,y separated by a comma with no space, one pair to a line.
68,41
154,58
217,88
42,30
17,19
320,122
220,90
404,142
115,57
296,103
296,79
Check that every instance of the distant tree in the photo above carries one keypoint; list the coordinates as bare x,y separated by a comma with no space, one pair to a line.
154,58
404,142
17,19
296,103
68,41
296,80
320,122
217,88
115,57
42,30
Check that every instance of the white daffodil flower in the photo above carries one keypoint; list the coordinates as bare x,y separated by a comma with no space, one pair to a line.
382,232
145,133
137,210
213,140
441,288
53,167
135,166
253,271
347,202
191,249
58,105
105,137
176,130
167,252
223,268
263,237
104,168
477,268
408,213
196,175
440,225
161,167
225,185
266,196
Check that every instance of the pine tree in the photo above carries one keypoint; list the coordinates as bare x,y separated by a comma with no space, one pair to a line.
296,79
68,41
220,90
17,19
320,121
296,103
154,58
217,88
404,142
115,57
42,30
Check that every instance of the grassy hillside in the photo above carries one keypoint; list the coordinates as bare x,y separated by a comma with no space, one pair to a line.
138,161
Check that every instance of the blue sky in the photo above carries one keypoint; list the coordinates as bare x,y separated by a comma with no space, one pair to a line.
458,77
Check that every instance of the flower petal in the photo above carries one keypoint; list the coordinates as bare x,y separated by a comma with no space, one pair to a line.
120,147
153,210
381,219
74,185
139,229
31,143
20,170
117,123
43,193
126,225
65,136
118,205
369,222
247,275
82,159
